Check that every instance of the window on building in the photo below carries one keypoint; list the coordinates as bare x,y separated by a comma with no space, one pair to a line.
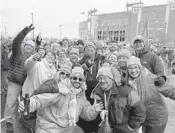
117,36
99,35
121,36
111,37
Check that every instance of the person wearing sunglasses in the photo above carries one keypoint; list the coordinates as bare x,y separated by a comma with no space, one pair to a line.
64,72
58,112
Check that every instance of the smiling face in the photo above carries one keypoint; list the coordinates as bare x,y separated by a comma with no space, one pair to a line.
41,52
62,55
105,82
112,59
65,45
55,48
28,49
63,75
50,57
76,81
134,71
89,50
73,57
138,45
122,61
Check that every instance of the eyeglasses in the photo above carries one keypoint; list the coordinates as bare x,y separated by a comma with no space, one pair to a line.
76,78
101,78
64,73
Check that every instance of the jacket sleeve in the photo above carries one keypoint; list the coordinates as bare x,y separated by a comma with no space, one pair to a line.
167,90
88,111
29,63
16,45
138,111
43,100
49,86
157,66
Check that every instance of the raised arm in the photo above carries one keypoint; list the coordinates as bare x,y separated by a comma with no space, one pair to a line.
16,45
43,100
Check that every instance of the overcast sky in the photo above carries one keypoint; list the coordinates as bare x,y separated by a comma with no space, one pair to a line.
49,14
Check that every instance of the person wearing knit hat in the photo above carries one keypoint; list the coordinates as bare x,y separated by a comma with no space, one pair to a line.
89,49
65,44
112,58
123,56
64,72
112,46
148,59
74,55
65,101
151,90
99,51
105,70
77,72
55,47
41,51
47,46
134,67
115,99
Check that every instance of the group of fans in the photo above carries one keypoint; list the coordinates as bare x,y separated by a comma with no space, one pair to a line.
98,87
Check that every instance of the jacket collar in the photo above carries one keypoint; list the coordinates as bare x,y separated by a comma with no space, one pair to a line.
97,90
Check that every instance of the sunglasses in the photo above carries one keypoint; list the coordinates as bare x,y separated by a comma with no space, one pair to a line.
65,74
76,78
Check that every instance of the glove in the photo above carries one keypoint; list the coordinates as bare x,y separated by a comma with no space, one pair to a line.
159,81
123,129
27,29
103,114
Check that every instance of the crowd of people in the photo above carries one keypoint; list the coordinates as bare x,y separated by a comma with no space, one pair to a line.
99,87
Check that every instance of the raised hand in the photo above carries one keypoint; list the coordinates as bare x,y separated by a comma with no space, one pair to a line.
36,57
98,106
29,28
103,114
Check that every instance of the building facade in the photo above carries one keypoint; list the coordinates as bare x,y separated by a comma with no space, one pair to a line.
124,26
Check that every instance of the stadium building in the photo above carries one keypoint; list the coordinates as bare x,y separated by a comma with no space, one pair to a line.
124,26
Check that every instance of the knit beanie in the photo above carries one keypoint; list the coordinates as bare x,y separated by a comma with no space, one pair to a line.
139,37
125,52
65,67
77,71
133,60
89,45
74,50
105,70
30,42
113,54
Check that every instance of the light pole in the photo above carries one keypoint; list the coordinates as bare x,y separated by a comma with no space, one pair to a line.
33,29
5,30
60,30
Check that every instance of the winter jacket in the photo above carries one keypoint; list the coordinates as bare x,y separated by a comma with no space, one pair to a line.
4,58
90,76
53,111
17,72
124,107
156,109
37,73
152,62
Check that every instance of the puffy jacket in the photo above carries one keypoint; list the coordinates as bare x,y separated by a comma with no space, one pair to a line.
53,111
17,72
152,62
156,109
124,107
